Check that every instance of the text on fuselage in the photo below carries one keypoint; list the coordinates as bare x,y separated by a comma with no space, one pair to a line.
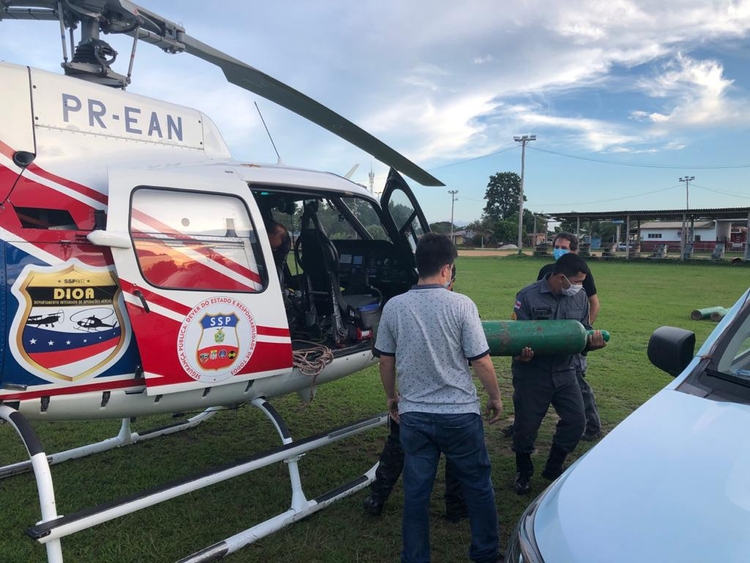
135,120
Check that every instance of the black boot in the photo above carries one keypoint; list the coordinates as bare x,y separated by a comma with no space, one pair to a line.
508,431
387,473
555,461
373,505
524,471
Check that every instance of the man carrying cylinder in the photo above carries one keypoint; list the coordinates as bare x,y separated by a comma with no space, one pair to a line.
539,381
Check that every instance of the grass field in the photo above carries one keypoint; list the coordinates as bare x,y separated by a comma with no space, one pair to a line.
636,299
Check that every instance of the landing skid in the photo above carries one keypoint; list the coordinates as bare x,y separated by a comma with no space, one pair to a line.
124,438
52,528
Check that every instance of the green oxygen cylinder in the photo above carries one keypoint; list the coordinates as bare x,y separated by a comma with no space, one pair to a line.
708,312
545,338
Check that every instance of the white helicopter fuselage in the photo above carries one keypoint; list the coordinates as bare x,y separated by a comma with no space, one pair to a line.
139,276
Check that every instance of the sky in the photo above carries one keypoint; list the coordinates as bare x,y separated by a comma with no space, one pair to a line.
625,97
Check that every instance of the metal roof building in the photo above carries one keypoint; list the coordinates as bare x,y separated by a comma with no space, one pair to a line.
634,219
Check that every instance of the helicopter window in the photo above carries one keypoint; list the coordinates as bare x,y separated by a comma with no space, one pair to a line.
405,217
188,240
41,218
334,223
364,212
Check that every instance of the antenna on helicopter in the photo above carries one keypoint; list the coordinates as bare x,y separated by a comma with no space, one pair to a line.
278,156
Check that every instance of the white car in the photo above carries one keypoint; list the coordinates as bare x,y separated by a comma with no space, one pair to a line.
623,246
671,483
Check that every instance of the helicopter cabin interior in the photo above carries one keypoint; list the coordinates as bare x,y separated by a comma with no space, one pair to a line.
338,265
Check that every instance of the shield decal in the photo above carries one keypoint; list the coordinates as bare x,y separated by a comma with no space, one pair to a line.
69,324
218,347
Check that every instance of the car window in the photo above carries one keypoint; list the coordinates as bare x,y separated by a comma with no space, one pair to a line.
735,358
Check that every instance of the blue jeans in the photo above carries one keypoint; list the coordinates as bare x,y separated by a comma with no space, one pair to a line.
460,437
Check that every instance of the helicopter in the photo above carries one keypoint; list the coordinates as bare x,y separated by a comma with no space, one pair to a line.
140,278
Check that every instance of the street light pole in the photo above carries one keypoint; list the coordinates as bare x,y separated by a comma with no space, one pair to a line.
453,200
685,238
523,139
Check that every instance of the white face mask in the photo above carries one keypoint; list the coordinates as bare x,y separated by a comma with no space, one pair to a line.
572,290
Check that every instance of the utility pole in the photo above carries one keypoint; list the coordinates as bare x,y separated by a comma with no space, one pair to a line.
453,200
523,139
685,239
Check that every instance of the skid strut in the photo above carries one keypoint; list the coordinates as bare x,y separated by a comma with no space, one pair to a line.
52,528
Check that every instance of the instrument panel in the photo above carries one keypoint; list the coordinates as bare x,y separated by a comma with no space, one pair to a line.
373,261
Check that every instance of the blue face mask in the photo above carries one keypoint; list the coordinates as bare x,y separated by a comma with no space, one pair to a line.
557,252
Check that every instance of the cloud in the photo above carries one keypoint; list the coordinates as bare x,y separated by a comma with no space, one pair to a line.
441,81
696,94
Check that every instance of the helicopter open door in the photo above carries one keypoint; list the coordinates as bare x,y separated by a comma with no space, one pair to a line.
402,212
192,258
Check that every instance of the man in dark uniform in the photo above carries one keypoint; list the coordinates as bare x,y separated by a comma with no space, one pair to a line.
563,244
544,380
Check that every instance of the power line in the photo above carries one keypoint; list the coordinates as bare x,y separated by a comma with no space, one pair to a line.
472,159
651,192
636,165
733,194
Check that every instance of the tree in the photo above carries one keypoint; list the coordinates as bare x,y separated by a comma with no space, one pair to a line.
506,231
442,227
503,196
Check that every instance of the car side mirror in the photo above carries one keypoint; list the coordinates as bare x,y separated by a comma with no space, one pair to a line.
671,349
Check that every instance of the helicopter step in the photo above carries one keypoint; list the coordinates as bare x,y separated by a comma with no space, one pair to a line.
52,528
124,438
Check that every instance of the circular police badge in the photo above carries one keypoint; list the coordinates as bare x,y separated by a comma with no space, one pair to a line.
216,339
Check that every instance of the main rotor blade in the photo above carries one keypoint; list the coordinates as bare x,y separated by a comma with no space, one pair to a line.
124,16
254,80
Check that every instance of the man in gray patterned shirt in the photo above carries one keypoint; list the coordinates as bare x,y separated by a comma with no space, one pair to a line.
428,336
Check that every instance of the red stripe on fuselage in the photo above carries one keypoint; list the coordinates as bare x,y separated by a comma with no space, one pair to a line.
150,296
182,309
39,171
272,331
78,188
